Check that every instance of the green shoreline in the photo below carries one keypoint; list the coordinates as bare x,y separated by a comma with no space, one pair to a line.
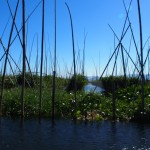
90,106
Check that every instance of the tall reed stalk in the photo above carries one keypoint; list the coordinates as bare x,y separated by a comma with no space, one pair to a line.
113,55
123,62
131,29
54,71
37,58
6,59
28,62
83,63
24,58
42,51
141,50
148,66
74,59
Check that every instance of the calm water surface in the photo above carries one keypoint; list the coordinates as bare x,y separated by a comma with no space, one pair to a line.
66,135
90,87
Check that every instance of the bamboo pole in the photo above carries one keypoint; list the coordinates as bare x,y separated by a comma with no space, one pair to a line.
115,56
6,59
24,55
74,60
54,71
123,62
112,55
148,66
131,29
125,50
25,22
12,60
37,58
141,62
42,51
5,27
115,64
83,63
5,50
28,62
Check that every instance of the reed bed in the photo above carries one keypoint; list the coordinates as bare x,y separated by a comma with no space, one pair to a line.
44,92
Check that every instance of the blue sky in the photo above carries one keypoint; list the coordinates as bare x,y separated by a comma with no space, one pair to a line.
89,16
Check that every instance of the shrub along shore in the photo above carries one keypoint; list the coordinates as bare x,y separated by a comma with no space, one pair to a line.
90,106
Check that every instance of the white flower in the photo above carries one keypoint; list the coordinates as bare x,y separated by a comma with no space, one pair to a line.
103,113
95,105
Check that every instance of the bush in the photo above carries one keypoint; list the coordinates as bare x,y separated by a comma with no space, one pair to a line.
29,80
9,82
81,81
113,83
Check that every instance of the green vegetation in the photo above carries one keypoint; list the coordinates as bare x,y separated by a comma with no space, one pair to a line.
90,106
81,81
114,83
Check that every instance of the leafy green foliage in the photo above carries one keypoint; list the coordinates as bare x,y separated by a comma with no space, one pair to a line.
9,82
29,80
81,81
90,106
116,82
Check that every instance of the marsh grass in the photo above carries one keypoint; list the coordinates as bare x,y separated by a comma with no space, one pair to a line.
123,98
91,106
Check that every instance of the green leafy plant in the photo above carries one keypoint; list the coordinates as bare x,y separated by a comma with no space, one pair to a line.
81,81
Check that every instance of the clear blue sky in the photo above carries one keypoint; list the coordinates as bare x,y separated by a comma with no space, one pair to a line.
89,16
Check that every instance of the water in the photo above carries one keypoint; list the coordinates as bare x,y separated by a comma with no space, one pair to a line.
89,87
66,135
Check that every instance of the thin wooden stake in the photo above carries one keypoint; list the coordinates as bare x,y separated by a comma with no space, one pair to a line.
74,60
42,51
6,59
141,62
54,72
24,57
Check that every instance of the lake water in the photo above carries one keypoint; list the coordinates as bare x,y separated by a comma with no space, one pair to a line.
89,88
66,135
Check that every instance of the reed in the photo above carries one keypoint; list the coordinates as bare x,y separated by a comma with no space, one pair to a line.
28,61
6,59
84,44
42,51
74,60
136,48
37,57
23,58
112,55
141,52
26,20
54,71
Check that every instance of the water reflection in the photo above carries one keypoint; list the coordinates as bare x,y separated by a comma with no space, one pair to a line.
68,135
